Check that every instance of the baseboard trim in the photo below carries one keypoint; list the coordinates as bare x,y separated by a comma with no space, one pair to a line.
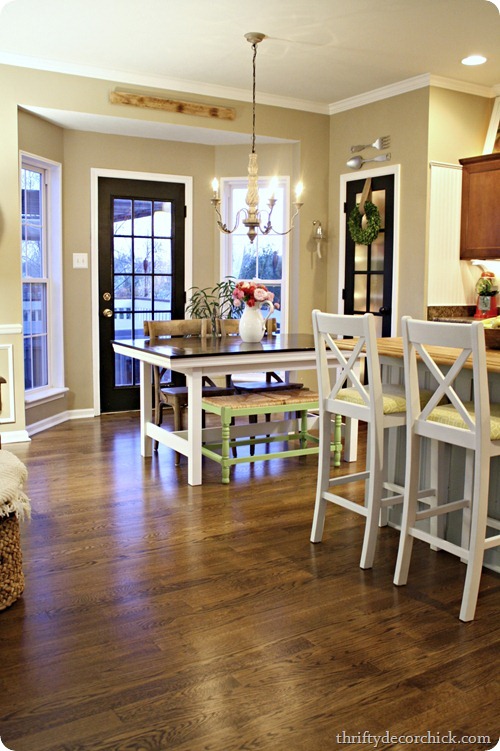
51,422
15,436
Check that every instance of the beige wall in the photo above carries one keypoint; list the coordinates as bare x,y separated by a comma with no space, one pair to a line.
80,151
458,125
405,119
84,151
429,124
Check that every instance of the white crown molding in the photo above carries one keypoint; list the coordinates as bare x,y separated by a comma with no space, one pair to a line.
160,82
410,84
465,88
304,105
242,95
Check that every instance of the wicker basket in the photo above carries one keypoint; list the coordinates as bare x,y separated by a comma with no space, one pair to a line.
11,562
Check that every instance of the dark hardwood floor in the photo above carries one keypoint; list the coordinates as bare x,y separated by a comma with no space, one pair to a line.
161,616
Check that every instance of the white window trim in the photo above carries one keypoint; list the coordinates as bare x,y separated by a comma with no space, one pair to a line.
227,182
56,387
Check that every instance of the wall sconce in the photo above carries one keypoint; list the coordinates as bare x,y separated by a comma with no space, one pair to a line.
318,235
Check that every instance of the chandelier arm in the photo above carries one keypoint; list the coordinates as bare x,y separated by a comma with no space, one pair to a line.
270,228
221,224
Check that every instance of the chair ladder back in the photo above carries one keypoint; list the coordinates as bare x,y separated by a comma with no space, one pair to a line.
328,326
348,375
466,339
445,381
180,327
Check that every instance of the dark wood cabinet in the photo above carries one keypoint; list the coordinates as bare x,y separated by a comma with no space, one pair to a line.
480,228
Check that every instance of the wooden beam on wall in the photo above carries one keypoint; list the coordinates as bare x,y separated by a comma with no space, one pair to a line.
172,105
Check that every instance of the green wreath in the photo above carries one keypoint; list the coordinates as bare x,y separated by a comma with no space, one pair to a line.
364,235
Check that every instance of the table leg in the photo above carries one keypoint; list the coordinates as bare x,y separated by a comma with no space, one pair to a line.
194,438
146,403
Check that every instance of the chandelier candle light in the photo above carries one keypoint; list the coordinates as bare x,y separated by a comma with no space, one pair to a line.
254,220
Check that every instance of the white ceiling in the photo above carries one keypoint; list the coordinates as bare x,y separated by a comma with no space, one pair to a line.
320,55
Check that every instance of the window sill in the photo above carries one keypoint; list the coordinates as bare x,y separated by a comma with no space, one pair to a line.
43,396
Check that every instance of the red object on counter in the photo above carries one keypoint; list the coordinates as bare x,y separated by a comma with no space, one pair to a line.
486,303
486,306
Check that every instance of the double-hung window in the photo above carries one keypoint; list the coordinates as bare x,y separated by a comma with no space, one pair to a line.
266,259
41,278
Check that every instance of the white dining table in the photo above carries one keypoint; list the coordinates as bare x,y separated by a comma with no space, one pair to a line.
212,356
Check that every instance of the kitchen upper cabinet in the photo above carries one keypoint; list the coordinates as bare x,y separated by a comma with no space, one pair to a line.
480,226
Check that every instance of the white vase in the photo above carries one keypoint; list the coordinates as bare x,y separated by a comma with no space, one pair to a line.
252,322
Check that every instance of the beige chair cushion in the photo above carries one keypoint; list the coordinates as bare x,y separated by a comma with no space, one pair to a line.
448,415
394,398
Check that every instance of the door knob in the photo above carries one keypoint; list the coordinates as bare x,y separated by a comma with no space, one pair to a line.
107,313
384,310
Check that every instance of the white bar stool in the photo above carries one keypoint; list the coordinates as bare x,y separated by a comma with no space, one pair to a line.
342,393
473,425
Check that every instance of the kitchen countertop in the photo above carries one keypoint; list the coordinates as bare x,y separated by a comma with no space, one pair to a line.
392,346
454,319
452,313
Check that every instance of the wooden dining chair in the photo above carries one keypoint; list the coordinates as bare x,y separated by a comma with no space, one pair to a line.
273,381
473,425
176,397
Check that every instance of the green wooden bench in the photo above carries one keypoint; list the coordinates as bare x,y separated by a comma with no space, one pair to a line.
301,402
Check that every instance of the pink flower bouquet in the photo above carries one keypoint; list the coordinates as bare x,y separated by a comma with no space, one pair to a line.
251,293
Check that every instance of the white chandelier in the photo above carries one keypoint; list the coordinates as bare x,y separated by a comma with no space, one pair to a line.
253,219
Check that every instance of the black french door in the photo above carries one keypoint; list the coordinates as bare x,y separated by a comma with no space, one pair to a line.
141,274
369,268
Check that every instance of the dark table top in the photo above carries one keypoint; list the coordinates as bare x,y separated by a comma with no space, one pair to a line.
184,347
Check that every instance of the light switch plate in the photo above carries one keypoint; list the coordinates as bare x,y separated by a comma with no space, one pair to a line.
80,260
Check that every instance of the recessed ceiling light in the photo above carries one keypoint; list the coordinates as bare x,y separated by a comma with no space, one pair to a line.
474,60
497,3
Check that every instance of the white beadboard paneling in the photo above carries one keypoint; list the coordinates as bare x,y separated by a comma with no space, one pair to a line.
446,283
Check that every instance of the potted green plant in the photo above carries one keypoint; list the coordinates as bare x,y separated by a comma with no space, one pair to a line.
213,302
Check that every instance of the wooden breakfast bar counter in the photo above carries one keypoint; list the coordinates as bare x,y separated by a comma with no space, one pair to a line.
392,347
391,358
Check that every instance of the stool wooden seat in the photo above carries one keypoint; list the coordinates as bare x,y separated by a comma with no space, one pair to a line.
228,408
473,425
